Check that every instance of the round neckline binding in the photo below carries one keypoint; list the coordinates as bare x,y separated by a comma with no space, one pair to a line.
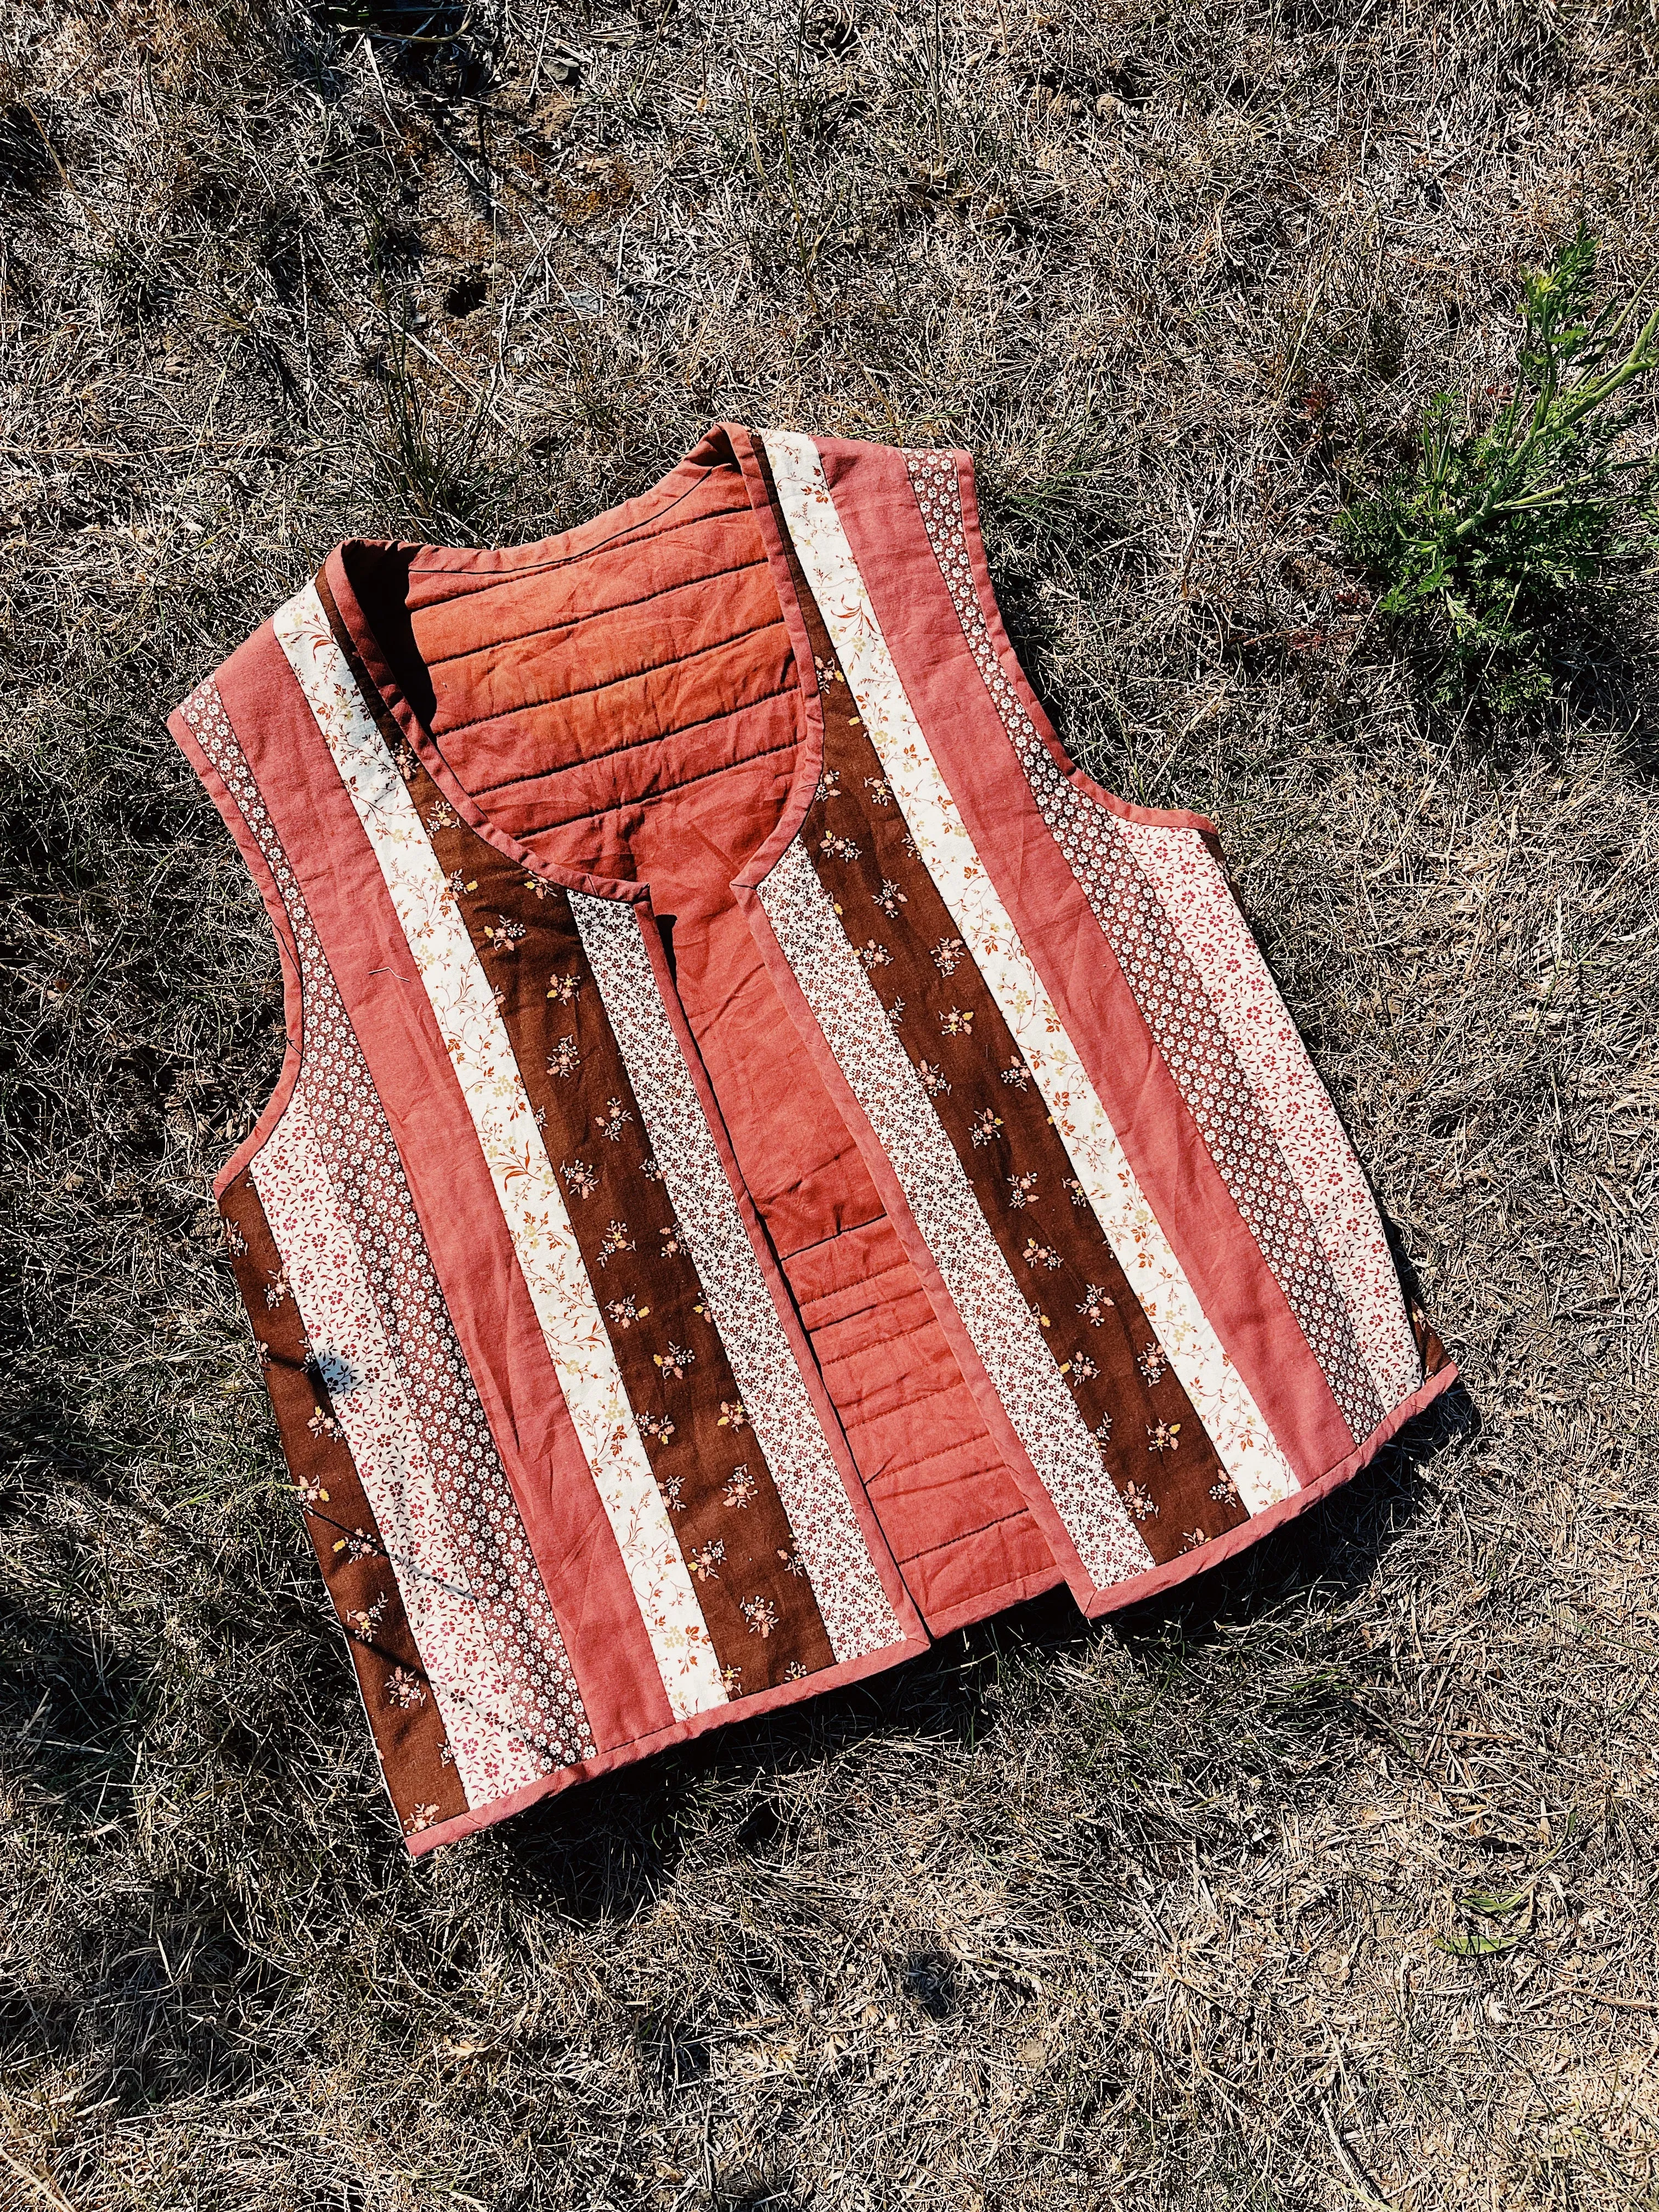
558,551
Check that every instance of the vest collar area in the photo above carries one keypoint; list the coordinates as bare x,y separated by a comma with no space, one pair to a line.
380,589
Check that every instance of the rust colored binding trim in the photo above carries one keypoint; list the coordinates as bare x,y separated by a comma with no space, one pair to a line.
206,697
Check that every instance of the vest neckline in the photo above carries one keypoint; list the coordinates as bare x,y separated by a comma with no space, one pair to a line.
386,695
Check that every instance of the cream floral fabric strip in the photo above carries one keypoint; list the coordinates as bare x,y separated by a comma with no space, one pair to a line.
342,1323
471,1025
1243,1441
982,1287
851,1601
1294,1103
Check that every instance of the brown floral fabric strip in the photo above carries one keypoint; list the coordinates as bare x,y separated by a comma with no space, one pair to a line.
751,1585
409,1731
1153,1444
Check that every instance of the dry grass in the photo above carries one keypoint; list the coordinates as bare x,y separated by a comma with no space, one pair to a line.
1331,1884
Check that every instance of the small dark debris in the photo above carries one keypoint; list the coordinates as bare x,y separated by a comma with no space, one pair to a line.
930,1981
467,293
28,162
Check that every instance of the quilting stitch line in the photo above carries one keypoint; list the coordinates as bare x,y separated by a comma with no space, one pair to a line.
586,614
470,1518
611,683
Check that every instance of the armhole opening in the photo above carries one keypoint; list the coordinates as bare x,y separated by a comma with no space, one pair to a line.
258,868
1155,816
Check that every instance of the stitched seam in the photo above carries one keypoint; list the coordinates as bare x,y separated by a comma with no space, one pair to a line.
849,1229
652,798
966,1537
944,1452
621,543
590,614
563,698
635,744
888,1267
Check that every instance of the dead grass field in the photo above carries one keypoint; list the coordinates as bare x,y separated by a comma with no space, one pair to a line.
1331,1885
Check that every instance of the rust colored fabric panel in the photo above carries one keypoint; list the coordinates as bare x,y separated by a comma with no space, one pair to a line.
568,682
738,644
936,1479
409,1732
1049,908
483,1290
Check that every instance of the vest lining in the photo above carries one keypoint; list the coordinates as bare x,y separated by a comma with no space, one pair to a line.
629,676
570,768
584,615
485,579
930,1550
650,798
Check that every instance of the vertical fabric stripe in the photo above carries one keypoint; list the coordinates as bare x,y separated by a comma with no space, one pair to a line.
1153,1445
1152,954
1293,1101
1242,1442
326,1276
753,1590
851,1601
472,1517
1000,1322
526,1186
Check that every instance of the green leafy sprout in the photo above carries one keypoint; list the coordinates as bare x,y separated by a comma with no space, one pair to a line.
1491,540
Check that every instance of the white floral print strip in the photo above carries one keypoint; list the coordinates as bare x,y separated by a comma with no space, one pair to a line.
1293,1101
982,1286
342,1325
1243,1441
544,1241
854,1608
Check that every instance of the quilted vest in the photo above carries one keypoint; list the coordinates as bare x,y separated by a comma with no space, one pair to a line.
772,1164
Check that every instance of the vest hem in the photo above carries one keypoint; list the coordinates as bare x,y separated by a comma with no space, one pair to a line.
1118,1598
882,1660
1120,1595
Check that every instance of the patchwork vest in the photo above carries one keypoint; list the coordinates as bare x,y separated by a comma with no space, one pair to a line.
772,1164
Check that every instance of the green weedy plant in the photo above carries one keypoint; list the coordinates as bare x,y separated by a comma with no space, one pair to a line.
1487,544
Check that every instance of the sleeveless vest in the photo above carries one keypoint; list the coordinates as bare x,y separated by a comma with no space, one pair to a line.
772,1163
